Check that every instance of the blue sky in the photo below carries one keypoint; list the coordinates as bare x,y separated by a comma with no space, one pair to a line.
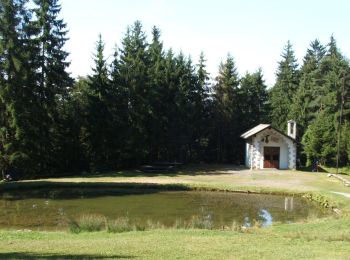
253,31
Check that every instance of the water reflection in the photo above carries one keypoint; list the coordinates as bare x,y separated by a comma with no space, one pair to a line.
288,204
214,209
268,219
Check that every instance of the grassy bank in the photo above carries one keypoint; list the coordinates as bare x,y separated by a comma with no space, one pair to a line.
323,239
341,170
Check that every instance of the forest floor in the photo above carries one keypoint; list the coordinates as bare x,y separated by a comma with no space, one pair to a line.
327,238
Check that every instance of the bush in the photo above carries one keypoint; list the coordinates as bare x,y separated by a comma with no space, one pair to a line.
73,226
119,225
88,223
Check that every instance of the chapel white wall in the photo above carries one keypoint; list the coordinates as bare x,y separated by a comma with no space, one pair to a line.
287,150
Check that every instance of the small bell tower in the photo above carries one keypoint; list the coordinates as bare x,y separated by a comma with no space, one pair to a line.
292,129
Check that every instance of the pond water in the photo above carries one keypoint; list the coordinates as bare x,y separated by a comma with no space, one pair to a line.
50,209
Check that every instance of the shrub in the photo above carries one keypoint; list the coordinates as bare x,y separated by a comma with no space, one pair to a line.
73,226
88,223
119,225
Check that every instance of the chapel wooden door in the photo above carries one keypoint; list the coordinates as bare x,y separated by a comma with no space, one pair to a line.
272,157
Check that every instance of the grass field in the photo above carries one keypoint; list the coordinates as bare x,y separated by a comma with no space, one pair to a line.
315,238
341,170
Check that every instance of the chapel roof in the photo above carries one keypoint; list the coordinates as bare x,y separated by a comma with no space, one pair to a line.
261,127
255,130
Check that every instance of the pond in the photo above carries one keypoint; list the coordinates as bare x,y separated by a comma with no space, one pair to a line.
50,209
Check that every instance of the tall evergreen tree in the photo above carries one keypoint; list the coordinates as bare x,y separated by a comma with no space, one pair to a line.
253,93
307,97
329,92
202,127
182,132
226,99
73,114
120,113
319,139
134,62
51,80
15,95
100,97
286,85
171,114
157,93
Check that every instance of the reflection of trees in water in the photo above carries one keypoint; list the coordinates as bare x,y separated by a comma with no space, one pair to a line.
215,209
33,214
288,203
249,209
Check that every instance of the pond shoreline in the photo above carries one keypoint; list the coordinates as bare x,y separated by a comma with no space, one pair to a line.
315,196
312,239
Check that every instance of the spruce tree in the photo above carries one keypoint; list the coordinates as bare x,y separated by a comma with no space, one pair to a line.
120,113
171,114
227,111
329,90
52,81
156,125
202,127
307,97
134,62
253,93
182,131
100,98
283,91
319,140
15,94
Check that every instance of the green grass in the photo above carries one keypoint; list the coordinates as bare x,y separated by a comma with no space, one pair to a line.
316,238
341,170
323,239
95,223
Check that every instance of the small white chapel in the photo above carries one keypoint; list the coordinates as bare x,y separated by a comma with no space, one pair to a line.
267,147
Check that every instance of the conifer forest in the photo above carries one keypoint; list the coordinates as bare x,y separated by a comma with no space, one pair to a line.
149,104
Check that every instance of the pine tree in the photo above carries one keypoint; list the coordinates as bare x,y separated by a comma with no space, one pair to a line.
134,62
182,131
98,128
333,68
120,113
286,85
320,139
171,115
254,94
226,99
73,113
51,37
50,79
157,92
15,95
202,127
307,98
191,108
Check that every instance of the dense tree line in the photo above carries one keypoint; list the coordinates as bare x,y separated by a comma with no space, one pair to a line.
151,105
313,95
148,104
34,85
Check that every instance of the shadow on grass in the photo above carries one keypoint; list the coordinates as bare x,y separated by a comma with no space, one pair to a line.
188,170
20,255
72,190
310,169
